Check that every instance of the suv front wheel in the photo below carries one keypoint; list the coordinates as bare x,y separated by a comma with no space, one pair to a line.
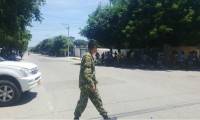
9,93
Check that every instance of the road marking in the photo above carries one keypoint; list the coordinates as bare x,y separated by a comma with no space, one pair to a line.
49,103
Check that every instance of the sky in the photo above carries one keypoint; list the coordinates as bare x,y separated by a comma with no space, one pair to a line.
58,14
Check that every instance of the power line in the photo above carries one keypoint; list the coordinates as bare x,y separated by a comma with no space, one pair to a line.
61,28
53,24
53,31
83,9
82,13
73,16
54,16
53,27
86,12
68,38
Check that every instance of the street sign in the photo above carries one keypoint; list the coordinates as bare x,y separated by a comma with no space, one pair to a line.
126,43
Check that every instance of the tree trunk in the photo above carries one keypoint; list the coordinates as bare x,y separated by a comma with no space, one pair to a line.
118,45
111,52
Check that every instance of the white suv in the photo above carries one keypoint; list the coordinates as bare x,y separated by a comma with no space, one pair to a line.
16,78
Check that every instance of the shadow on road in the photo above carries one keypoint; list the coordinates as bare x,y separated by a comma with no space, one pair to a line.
144,68
156,109
77,64
26,98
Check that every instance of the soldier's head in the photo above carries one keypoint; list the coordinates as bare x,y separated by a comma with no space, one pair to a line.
92,46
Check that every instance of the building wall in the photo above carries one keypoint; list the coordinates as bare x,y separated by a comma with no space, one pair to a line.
78,51
186,49
72,38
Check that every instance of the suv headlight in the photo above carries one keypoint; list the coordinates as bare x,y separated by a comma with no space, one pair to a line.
25,72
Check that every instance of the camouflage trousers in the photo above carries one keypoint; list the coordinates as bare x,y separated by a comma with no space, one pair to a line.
94,97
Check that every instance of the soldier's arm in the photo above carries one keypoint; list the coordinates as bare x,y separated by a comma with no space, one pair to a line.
87,68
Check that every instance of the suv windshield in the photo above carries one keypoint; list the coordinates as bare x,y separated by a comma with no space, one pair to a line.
2,59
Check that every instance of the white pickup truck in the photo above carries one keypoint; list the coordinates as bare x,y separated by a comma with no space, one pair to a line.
16,78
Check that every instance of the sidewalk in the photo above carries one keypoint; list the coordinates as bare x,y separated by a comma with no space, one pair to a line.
72,58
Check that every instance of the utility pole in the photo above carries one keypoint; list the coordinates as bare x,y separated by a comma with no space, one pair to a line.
68,38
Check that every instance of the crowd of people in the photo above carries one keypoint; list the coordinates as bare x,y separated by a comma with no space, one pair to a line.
132,57
148,58
192,60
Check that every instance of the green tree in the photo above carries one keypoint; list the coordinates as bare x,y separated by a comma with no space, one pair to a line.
80,42
61,42
36,49
145,23
99,26
55,46
15,16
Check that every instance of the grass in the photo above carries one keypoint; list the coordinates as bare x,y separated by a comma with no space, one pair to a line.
75,59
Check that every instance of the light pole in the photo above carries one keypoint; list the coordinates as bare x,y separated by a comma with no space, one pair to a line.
68,38
68,41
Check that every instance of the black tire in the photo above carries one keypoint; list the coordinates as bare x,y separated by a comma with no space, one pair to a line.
14,95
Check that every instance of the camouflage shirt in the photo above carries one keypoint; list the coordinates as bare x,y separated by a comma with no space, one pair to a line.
87,72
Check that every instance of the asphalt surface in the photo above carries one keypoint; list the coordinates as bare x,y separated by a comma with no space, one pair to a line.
126,93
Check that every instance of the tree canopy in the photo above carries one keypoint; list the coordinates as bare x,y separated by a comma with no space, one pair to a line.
54,46
145,23
15,16
80,42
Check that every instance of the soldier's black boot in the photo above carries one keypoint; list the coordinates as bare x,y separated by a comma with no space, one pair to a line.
76,118
105,117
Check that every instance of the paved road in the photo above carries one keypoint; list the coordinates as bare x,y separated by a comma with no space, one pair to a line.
126,93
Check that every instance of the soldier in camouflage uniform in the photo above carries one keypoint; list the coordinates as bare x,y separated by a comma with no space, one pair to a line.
87,83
